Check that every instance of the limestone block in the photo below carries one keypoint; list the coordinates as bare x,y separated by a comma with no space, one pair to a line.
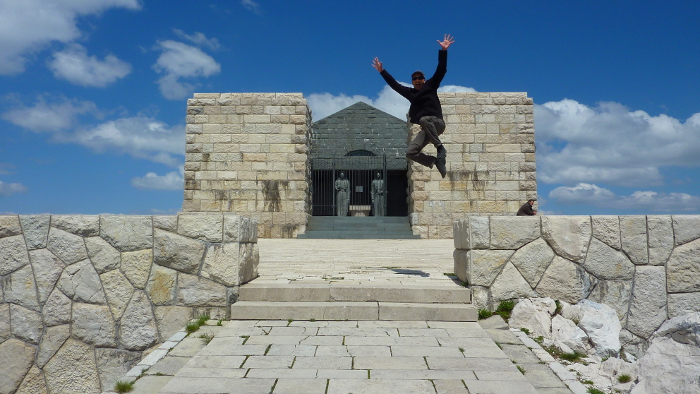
9,226
532,260
103,255
57,309
605,262
601,324
648,304
633,232
614,293
567,235
483,266
171,319
161,285
481,297
47,269
669,366
660,239
5,331
68,247
512,232
509,285
113,364
205,227
118,291
72,369
460,263
683,268
568,333
177,252
20,288
479,235
137,328
25,324
16,357
127,233
13,254
36,230
93,324
460,231
81,283
566,281
535,315
195,291
51,341
33,383
81,225
607,230
168,223
686,228
136,266
683,303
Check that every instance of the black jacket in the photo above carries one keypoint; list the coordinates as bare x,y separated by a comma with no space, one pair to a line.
424,102
525,210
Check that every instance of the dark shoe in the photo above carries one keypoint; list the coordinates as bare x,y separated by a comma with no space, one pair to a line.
441,152
440,164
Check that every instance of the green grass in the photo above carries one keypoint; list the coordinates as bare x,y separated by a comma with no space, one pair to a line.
220,322
557,311
194,326
461,349
573,357
624,378
123,387
521,369
525,330
484,314
505,308
587,381
206,338
592,390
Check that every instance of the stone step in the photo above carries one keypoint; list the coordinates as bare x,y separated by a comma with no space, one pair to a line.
359,226
266,310
349,227
360,234
340,293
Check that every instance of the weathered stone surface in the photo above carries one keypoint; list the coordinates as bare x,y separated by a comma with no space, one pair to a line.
633,344
248,262
460,264
26,324
33,383
136,266
168,223
21,289
36,230
137,330
460,232
607,263
532,260
221,263
57,309
53,339
484,265
5,332
203,226
615,294
68,247
535,315
512,232
161,285
603,327
683,303
478,233
566,281
669,367
648,304
103,255
171,319
566,332
93,324
567,235
9,226
47,270
683,268
633,232
510,284
82,225
239,229
177,252
13,254
113,364
81,283
72,369
683,329
127,233
195,291
118,290
607,230
481,297
16,358
686,228
660,239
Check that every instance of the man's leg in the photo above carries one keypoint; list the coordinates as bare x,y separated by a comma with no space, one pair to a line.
434,127
413,152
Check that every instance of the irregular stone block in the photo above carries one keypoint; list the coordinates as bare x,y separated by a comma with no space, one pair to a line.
683,268
36,230
195,291
483,266
202,226
566,281
118,291
603,327
512,232
52,340
13,254
103,255
607,230
72,369
137,329
535,315
683,303
633,232
20,288
57,309
669,367
460,233
510,285
5,331
9,226
460,264
168,223
648,305
113,364
248,264
686,228
93,324
127,233
221,263
615,294
479,234
26,324
68,247
136,266
532,260
171,319
240,229
177,252
47,270
161,285
16,358
567,235
81,283
568,333
605,262
82,225
33,383
660,239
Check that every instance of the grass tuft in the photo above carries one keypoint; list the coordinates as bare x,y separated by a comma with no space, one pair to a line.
206,338
123,387
505,308
525,330
484,314
592,390
624,378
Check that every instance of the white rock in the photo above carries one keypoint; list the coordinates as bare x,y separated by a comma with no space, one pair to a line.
221,264
103,255
9,226
683,303
532,260
568,333
161,286
534,315
601,324
510,284
564,280
682,329
57,309
613,293
201,226
685,228
683,268
137,330
660,239
607,230
5,330
36,230
648,304
68,247
82,225
136,266
607,263
127,233
93,324
20,288
13,254
669,367
81,283
33,383
118,290
567,235
512,232
633,230
196,291
484,265
113,364
177,252
47,270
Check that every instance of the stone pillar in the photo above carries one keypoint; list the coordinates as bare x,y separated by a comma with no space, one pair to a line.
247,153
490,144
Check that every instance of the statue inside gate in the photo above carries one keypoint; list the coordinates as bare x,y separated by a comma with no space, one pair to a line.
378,197
342,186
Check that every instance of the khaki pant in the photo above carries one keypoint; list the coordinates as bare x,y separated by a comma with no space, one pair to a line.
431,129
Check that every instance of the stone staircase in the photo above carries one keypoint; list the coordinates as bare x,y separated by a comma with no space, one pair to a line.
363,227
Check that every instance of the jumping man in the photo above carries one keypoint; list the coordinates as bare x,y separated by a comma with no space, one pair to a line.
425,108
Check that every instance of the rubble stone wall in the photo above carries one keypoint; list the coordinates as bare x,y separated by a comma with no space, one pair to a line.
647,268
82,297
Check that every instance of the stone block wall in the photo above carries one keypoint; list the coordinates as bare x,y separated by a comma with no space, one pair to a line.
490,144
647,268
82,297
247,153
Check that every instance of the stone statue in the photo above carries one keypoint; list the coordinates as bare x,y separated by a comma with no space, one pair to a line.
378,197
342,185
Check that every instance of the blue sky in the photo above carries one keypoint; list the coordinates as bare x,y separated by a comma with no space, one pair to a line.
93,93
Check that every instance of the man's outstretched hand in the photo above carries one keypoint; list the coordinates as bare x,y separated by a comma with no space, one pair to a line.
448,40
377,64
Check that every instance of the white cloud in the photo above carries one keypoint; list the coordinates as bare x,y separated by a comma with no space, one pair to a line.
324,104
199,39
27,26
178,61
589,194
74,65
50,113
8,189
170,181
611,144
252,6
